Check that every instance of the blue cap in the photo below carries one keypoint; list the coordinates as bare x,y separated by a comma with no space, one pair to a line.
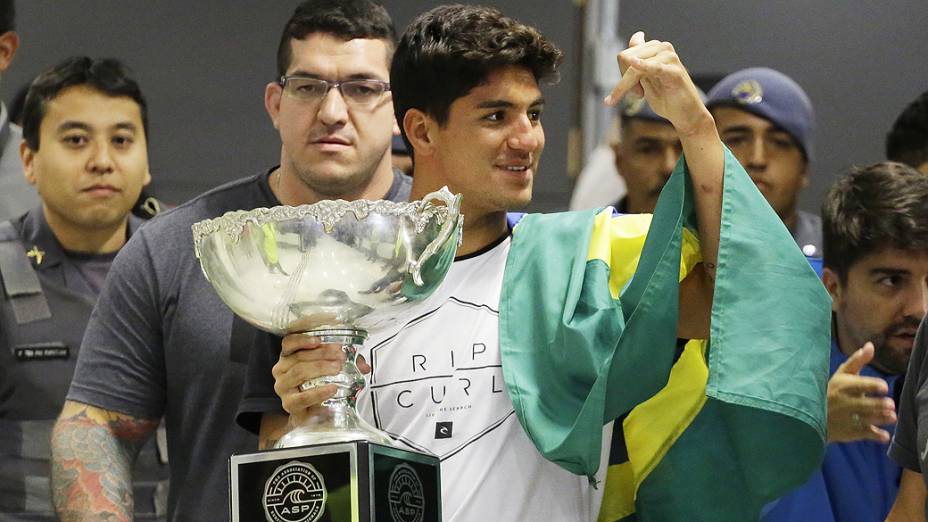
633,106
771,95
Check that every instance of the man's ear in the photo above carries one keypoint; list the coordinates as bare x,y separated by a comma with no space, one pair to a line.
9,43
272,94
832,282
27,156
419,131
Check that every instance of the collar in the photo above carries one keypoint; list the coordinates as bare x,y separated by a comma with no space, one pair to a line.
838,358
621,206
42,246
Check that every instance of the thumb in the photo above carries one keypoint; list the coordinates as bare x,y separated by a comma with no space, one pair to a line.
362,365
636,39
857,360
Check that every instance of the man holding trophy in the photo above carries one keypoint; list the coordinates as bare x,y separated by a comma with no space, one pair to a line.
547,329
160,341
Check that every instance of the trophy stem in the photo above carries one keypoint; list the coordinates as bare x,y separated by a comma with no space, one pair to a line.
337,419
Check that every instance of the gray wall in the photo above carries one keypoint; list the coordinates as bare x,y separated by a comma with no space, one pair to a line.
860,62
203,66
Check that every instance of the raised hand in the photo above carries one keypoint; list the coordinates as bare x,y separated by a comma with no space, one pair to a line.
653,69
858,405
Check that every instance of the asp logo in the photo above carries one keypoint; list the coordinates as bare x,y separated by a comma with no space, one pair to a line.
295,492
407,502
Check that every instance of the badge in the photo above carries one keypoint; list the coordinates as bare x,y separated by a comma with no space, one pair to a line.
36,254
748,92
41,351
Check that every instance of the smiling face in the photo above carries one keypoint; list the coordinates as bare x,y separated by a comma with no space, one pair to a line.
92,160
769,155
332,147
883,301
490,145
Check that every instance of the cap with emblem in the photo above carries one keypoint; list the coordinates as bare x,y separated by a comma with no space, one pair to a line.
636,107
771,95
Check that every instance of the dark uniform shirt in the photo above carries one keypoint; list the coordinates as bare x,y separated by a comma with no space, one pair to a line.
38,352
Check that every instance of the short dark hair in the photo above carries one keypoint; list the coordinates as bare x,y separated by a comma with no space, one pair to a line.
446,52
884,205
7,16
348,19
107,75
907,141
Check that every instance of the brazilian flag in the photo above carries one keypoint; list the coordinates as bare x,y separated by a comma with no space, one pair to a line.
707,430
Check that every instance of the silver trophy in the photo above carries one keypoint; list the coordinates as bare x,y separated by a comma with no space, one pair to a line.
335,270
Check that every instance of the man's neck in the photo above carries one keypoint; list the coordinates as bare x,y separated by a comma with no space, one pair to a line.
481,231
481,228
75,238
636,205
791,220
291,190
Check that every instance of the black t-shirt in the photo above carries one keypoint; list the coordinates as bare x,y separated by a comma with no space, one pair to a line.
909,447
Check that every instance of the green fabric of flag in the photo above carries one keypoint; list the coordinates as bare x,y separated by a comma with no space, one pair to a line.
575,358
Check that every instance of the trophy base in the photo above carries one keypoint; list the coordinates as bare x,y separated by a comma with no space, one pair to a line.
348,481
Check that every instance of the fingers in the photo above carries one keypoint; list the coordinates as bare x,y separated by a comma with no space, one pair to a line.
877,434
295,342
297,403
857,405
362,365
628,82
859,386
293,370
639,61
857,360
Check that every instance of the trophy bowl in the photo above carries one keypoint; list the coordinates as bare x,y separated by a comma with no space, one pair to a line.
333,269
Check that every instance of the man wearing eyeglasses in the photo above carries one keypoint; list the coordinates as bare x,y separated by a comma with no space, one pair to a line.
160,342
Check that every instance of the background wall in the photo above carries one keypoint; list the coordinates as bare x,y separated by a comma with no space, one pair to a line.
203,66
860,62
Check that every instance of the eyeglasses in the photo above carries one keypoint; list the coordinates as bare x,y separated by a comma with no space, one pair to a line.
355,92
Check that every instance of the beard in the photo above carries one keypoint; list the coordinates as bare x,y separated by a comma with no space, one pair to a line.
887,358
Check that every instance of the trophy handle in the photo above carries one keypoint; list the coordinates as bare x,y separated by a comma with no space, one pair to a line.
453,202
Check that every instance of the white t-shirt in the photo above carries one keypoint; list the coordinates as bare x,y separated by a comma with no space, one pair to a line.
437,385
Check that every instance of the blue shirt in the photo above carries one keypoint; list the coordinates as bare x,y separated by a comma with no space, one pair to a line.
857,481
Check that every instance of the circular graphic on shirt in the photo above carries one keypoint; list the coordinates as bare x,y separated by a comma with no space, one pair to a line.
295,492
407,503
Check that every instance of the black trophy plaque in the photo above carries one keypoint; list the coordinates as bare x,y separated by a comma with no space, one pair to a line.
355,481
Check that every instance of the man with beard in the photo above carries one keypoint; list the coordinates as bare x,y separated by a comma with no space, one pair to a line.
876,264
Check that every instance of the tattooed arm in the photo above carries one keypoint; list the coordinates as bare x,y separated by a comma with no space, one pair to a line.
93,451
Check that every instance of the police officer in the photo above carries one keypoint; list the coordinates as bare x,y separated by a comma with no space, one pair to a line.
85,151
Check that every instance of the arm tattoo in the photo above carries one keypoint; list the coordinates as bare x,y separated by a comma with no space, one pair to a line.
93,451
